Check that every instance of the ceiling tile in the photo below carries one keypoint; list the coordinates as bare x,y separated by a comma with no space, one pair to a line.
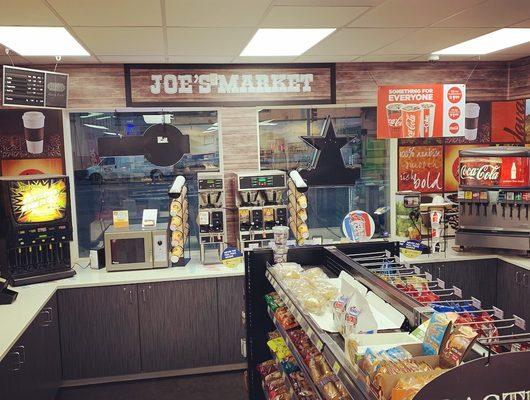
203,59
493,13
27,13
411,13
357,41
324,59
215,13
429,40
212,41
310,17
126,41
386,57
329,3
109,13
264,60
132,59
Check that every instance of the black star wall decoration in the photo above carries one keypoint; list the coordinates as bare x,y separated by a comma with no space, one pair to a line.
328,167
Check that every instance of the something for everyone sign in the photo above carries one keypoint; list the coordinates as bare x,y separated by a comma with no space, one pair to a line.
231,85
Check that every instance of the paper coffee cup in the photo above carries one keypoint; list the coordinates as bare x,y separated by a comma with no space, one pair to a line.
472,114
34,131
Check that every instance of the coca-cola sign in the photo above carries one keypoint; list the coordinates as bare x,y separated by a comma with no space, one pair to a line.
480,171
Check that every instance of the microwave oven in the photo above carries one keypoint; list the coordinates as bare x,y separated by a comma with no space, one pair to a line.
136,247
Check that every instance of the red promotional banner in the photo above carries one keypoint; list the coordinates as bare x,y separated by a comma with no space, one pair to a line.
495,171
421,111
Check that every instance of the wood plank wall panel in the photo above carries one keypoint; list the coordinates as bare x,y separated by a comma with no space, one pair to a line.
357,82
240,152
520,79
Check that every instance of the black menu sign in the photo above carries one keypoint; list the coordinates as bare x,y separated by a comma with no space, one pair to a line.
34,88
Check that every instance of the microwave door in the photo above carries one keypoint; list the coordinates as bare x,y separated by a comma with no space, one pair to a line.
129,251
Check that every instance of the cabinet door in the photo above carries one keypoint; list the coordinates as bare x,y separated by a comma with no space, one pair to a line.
15,380
526,297
510,289
179,325
99,331
44,355
231,298
476,278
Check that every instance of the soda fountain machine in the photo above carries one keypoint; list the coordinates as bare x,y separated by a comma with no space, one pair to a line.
494,198
212,214
260,206
36,229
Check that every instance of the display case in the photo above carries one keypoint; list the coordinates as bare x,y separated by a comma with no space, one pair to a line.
375,265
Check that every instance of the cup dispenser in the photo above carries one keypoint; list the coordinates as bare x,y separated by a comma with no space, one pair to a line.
211,218
297,199
260,204
179,227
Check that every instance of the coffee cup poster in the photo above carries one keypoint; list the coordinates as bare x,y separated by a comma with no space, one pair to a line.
421,111
31,142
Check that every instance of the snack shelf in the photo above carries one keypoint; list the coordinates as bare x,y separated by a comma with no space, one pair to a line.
296,354
349,374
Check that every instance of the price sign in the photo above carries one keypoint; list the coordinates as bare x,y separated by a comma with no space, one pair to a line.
440,283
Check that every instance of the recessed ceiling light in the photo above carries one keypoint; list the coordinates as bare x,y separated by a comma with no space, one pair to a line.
494,41
40,41
284,42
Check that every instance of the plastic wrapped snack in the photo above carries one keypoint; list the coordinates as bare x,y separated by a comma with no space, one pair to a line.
326,289
456,346
314,302
407,387
288,271
314,274
359,317
438,327
266,368
339,311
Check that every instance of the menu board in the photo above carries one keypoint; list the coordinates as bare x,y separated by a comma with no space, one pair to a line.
33,88
421,168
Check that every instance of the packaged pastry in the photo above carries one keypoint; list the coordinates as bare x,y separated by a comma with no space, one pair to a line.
438,327
314,274
288,271
177,238
266,368
456,346
176,222
176,253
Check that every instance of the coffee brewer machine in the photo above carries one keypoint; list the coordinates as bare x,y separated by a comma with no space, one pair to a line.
211,218
494,198
36,228
260,206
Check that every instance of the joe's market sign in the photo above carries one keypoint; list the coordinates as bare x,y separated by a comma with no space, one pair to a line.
192,85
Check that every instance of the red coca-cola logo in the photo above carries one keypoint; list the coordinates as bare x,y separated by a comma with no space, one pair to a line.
394,122
410,123
486,172
454,128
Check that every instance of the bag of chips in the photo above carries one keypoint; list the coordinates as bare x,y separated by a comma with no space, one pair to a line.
435,334
456,346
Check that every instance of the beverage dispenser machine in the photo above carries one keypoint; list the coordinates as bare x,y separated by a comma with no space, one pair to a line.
494,198
260,203
211,218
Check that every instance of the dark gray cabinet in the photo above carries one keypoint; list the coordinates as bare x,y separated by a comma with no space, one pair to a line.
99,331
179,324
32,368
513,290
231,298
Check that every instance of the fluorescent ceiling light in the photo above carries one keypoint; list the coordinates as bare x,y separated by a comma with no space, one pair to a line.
40,41
494,41
284,42
90,115
96,126
157,118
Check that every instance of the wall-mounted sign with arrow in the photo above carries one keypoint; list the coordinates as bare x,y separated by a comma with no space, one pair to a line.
328,168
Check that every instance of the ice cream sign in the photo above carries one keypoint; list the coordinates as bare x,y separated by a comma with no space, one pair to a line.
421,111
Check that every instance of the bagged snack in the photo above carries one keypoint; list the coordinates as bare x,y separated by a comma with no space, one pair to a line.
438,327
314,274
266,368
285,318
456,346
279,348
407,387
288,271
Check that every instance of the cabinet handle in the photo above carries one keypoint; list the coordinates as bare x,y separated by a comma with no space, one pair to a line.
143,296
525,280
517,277
131,297
20,353
48,312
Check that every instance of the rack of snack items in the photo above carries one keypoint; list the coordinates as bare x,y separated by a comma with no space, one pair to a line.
179,227
297,207
381,329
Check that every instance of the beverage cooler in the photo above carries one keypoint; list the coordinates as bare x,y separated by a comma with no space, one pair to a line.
494,198
295,351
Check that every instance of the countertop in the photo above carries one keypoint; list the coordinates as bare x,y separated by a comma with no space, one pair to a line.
16,317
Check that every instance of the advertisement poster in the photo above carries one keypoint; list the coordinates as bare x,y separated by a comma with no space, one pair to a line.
421,111
477,124
452,163
31,140
527,122
421,168
494,171
508,121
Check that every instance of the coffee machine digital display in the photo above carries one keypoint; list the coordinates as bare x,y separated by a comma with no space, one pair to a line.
260,202
35,235
494,198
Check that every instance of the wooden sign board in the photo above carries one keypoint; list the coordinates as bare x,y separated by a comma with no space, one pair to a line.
162,85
